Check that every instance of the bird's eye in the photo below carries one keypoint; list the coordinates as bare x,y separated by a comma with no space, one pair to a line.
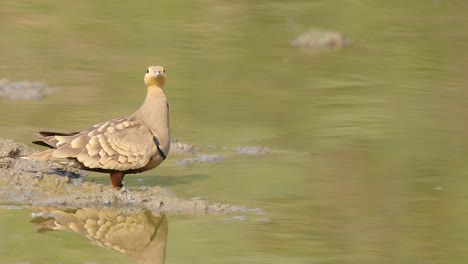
147,71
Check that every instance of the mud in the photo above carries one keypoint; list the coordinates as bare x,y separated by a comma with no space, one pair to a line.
24,90
201,158
320,39
189,155
179,148
53,184
253,151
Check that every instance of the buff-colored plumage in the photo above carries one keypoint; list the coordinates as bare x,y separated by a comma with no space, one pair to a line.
140,234
131,144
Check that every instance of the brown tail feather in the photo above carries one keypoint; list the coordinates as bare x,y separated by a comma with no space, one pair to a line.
41,143
51,133
47,138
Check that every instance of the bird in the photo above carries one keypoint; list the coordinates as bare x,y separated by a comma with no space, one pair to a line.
137,232
125,145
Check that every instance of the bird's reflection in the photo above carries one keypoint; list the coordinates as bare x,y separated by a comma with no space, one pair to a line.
139,233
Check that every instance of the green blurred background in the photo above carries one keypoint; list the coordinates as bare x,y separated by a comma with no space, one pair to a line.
369,142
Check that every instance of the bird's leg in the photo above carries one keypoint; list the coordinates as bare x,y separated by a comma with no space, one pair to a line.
116,178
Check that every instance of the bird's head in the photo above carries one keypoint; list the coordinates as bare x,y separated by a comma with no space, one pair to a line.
155,75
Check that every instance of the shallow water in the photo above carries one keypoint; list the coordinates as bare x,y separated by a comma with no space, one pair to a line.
367,162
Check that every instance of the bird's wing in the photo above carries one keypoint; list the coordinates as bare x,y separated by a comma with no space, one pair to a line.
120,144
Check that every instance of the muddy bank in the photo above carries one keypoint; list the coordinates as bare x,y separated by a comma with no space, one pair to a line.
53,184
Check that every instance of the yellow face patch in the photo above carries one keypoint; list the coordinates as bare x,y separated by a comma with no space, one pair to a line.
155,75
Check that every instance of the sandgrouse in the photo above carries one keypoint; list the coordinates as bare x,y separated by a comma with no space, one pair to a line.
132,144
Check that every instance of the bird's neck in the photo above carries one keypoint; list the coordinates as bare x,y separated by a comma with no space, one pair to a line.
155,113
155,95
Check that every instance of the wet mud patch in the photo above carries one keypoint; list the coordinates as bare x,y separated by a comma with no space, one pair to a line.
320,40
53,184
189,155
24,90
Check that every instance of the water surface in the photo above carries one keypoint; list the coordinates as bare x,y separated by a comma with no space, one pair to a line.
368,160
